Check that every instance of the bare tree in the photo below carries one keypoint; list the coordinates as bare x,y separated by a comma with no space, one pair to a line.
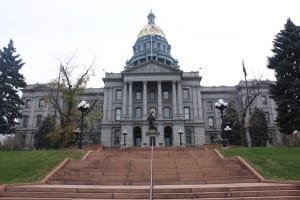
63,95
247,101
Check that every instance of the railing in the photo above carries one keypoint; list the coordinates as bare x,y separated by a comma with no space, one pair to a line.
151,174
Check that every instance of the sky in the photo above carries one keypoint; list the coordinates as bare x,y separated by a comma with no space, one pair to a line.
211,37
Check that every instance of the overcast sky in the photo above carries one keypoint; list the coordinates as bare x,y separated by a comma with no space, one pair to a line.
211,37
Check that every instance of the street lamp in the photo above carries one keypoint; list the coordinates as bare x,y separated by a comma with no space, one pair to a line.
124,134
221,105
227,130
83,106
180,132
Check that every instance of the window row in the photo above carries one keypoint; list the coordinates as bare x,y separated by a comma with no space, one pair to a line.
155,45
211,120
166,113
42,103
152,94
38,121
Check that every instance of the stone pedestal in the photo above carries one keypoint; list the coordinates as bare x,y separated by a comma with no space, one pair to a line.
152,134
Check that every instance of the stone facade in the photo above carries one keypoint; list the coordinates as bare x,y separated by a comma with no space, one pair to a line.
151,81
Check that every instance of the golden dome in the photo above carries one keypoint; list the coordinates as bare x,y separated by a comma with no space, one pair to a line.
151,29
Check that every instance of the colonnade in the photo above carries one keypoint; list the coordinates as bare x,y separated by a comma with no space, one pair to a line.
127,107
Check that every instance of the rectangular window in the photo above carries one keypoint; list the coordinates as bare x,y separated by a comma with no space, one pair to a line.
118,94
187,113
138,112
138,95
28,103
42,103
25,121
118,114
211,122
166,94
39,119
188,136
209,106
264,100
166,112
152,95
186,94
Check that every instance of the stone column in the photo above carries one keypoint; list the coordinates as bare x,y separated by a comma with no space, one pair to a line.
199,101
145,100
130,101
159,100
195,106
179,92
110,108
174,102
105,104
124,99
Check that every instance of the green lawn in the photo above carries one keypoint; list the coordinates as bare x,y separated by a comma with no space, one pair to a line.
277,163
28,166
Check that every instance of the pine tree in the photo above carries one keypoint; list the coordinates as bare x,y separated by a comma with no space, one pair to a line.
286,90
11,81
232,120
258,128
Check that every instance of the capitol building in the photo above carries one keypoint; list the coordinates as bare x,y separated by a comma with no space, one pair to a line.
151,81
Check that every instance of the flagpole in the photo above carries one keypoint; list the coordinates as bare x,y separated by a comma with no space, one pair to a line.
247,89
247,104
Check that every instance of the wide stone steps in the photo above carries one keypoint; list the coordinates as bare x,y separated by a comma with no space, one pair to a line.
171,166
209,192
179,173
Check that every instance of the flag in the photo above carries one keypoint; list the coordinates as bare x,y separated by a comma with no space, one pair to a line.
244,69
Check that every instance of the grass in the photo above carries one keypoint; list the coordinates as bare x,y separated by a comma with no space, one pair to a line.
29,166
277,163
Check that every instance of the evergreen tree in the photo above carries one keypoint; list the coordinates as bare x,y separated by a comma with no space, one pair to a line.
41,138
286,90
258,128
232,120
11,81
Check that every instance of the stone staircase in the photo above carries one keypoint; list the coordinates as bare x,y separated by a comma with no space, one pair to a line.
178,173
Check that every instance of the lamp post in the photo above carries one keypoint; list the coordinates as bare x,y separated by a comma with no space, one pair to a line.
180,132
227,130
221,105
83,106
124,134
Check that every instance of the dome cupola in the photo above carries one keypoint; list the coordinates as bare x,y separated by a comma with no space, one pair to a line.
151,45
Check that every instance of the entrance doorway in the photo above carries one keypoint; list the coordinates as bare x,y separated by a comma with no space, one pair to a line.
168,136
137,136
152,141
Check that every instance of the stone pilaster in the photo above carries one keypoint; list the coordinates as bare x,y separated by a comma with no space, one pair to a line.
130,101
110,108
105,104
174,101
195,106
145,100
124,99
199,101
159,100
179,92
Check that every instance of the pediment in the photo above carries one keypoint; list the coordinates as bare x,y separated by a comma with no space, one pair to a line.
152,68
